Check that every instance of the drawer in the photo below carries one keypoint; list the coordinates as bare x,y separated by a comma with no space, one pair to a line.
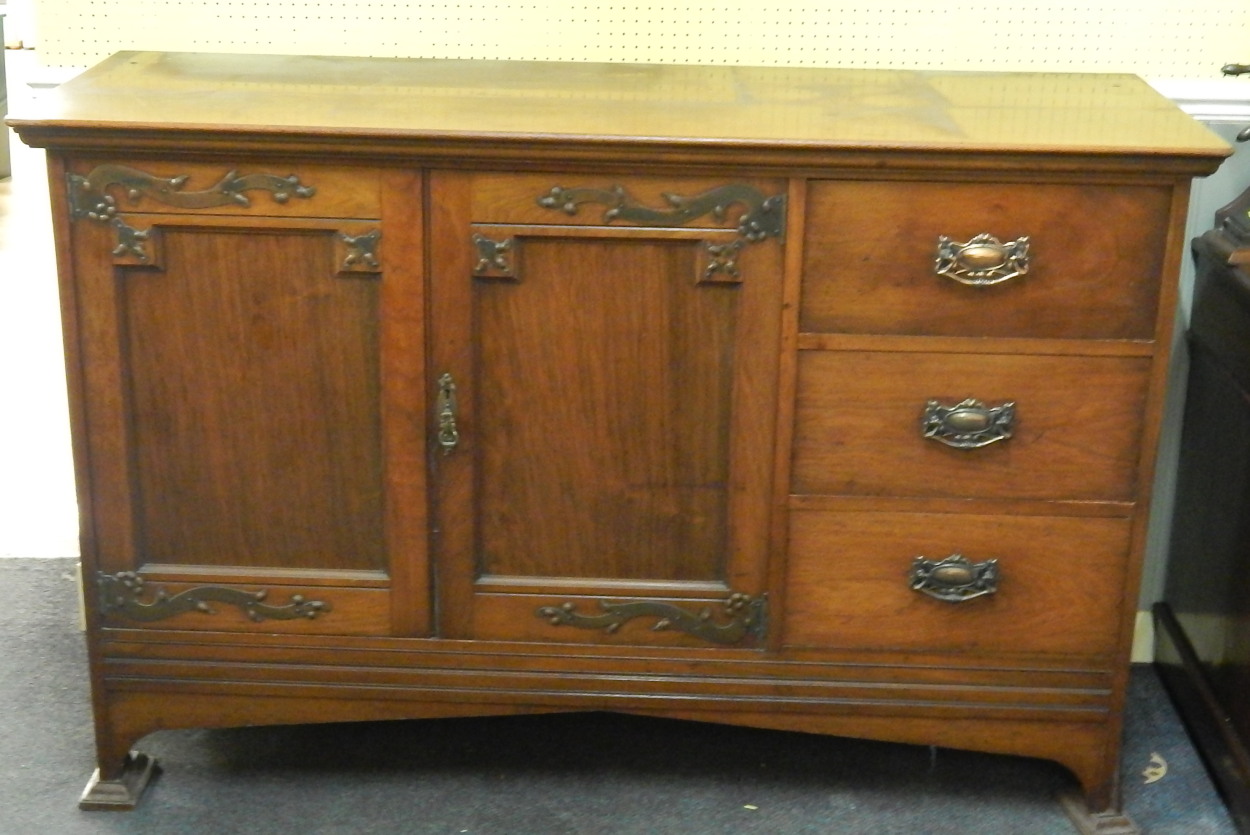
610,200
1059,585
1075,432
1095,256
172,187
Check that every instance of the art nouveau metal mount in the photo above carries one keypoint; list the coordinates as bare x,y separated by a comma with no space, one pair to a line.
124,594
743,617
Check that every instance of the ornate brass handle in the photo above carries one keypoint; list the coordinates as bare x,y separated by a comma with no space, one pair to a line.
448,434
955,578
968,424
982,261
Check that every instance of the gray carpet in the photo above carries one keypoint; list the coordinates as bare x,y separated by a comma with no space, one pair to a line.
585,774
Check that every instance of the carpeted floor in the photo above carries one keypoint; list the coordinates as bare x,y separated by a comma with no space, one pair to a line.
587,774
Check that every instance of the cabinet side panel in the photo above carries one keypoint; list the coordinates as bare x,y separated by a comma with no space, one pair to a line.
254,390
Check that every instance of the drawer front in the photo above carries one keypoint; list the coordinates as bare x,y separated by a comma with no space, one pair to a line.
242,187
1094,259
1059,582
860,425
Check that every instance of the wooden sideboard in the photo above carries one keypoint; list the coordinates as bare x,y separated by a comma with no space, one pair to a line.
802,399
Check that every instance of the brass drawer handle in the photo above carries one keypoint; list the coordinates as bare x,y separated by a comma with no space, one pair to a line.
955,578
969,424
982,261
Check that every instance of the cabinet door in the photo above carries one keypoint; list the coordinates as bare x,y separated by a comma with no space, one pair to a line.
603,392
239,370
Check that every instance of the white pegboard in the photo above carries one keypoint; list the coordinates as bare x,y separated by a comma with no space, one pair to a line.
1152,38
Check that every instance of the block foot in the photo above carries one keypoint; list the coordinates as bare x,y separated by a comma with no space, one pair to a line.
1095,823
123,793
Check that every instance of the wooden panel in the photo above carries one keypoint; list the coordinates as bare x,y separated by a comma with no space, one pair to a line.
338,191
347,611
858,427
616,408
604,112
253,378
1060,588
1085,679
516,617
248,414
1096,252
603,413
402,340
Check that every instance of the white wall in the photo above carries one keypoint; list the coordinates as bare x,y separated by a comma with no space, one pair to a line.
1157,38
38,512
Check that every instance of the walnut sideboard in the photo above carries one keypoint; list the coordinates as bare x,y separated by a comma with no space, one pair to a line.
820,400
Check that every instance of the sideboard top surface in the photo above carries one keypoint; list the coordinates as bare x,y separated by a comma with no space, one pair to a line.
651,105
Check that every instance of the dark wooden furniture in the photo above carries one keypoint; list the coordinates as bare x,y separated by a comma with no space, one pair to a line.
1203,625
801,399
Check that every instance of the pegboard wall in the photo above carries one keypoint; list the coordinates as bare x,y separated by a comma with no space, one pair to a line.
1153,38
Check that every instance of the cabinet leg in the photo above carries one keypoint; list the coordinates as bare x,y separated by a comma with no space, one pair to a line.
1088,822
122,793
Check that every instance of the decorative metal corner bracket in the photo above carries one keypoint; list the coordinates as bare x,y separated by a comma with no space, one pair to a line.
130,241
765,217
362,251
746,618
494,258
954,579
123,594
90,196
722,263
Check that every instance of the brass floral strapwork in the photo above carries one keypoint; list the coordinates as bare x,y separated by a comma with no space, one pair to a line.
91,197
764,217
742,617
127,594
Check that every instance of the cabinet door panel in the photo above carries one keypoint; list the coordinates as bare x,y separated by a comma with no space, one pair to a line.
614,409
603,387
254,389
245,375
